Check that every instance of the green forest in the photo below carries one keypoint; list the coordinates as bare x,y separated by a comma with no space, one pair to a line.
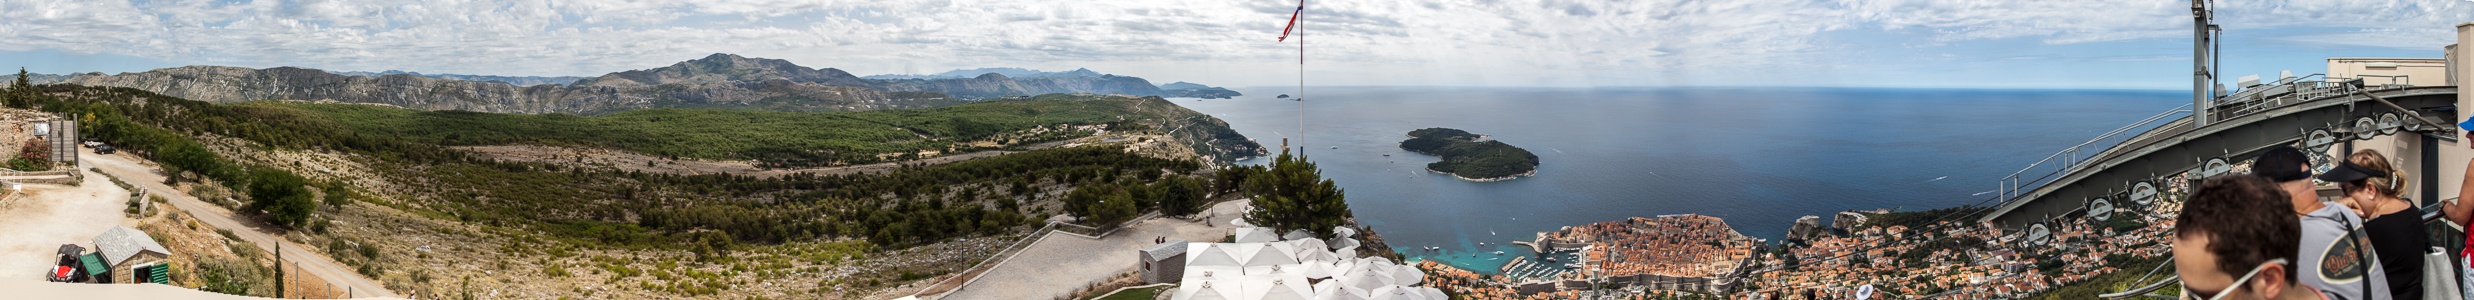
775,138
910,206
1467,157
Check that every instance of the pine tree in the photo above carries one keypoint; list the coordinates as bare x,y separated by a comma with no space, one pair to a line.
20,91
1293,195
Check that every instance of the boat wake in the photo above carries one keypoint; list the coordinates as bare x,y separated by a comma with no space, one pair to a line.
1938,179
1985,192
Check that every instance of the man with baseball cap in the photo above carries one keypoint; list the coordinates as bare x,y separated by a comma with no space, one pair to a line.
2336,256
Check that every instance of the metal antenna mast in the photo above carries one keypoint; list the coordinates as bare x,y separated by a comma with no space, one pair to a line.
2202,72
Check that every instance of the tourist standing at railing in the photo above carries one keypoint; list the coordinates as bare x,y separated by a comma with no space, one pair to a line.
2335,253
2234,239
2375,189
2458,212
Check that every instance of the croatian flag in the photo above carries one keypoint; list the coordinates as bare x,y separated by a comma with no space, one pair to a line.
1284,32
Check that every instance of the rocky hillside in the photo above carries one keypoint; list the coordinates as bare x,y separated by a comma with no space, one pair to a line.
234,84
727,69
1196,90
1002,82
993,85
717,81
515,80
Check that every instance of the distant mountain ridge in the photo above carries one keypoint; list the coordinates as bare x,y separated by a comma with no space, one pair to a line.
1008,72
36,78
715,81
515,80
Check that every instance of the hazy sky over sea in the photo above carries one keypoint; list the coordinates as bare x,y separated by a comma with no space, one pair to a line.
1896,43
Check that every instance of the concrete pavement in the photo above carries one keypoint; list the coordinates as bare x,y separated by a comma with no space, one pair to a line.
1060,262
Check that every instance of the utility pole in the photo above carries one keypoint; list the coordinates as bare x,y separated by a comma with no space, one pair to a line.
2201,16
1301,77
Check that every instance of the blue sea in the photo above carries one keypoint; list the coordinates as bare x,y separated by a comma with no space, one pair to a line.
1758,157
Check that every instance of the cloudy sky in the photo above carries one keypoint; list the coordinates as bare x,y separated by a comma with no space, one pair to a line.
2140,44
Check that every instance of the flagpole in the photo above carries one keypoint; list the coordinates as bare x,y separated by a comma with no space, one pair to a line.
1301,77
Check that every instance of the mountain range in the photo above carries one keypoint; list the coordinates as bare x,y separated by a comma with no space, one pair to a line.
515,80
717,81
1008,72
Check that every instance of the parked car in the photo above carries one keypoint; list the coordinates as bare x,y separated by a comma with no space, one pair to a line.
103,149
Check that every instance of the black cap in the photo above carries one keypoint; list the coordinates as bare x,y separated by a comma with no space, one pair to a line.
2282,164
2350,172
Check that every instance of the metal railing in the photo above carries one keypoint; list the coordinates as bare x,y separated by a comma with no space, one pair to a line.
2069,158
2249,102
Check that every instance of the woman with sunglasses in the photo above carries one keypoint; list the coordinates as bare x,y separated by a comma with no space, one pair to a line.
2236,240
2375,190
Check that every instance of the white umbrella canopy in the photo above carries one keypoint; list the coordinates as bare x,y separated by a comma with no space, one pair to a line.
1341,267
1271,269
1340,294
1225,289
1345,253
1433,293
1381,261
1240,223
1256,235
1210,254
1289,247
1243,252
1337,243
1268,254
1209,273
1305,244
1297,234
1315,270
1394,293
1278,287
1343,231
1368,277
1315,255
1408,275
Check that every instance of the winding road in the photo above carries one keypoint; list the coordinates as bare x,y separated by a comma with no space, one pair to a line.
147,178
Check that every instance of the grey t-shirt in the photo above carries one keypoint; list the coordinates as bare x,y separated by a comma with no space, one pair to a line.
2330,262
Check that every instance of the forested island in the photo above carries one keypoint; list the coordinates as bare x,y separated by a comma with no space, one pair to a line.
1470,156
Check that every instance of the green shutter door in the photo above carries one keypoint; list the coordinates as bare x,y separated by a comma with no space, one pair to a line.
161,274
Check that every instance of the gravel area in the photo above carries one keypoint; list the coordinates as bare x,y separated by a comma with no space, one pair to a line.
36,220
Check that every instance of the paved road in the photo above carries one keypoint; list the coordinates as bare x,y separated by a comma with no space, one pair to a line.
1062,262
147,178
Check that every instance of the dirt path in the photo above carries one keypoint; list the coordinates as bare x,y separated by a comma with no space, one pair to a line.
147,178
38,219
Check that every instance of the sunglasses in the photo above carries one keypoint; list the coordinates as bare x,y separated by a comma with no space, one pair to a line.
2188,294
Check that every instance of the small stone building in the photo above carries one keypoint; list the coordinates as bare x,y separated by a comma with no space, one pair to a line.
131,256
1164,262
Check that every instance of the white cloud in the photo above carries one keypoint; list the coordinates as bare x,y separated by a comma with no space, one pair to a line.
1352,41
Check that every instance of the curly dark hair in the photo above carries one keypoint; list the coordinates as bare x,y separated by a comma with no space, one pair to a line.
2246,219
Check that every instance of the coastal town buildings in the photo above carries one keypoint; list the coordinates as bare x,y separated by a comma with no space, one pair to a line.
1946,258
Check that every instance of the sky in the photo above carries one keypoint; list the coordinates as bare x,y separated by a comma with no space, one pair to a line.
2076,44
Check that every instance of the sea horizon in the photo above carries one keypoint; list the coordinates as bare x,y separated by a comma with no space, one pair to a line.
1757,157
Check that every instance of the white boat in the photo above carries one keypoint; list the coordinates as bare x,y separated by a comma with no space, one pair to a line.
1498,252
